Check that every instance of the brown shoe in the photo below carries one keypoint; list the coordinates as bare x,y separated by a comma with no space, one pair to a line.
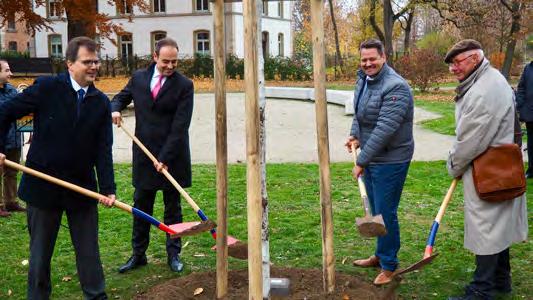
384,277
14,207
372,261
4,213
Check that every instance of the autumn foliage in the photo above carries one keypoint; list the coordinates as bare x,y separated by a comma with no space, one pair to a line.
422,67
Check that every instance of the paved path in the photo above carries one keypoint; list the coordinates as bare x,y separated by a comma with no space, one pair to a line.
291,132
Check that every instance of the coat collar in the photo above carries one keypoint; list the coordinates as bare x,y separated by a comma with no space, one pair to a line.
384,70
168,82
65,77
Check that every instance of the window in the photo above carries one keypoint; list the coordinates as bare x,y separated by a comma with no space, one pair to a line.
54,9
12,46
55,46
281,51
202,5
280,8
11,26
125,46
159,6
265,7
123,8
265,43
202,42
156,36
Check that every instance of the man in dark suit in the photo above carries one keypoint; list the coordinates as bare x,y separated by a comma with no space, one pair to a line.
163,100
72,138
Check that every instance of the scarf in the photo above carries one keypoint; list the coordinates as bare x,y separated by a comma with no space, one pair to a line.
466,84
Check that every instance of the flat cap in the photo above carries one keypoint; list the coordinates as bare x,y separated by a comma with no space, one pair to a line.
461,47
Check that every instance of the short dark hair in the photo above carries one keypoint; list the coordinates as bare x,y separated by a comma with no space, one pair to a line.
74,46
165,42
2,61
372,43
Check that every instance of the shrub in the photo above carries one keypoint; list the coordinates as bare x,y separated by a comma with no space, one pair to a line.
438,42
422,67
14,54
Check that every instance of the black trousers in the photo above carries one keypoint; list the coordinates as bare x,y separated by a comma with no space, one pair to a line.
493,273
43,226
144,200
529,128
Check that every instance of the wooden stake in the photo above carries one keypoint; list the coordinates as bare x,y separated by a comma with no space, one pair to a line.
253,171
265,239
221,149
319,74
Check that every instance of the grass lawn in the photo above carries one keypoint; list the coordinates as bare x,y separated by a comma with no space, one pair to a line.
446,123
295,234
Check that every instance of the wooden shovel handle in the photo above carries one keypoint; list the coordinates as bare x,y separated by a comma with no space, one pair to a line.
165,172
446,200
65,184
361,184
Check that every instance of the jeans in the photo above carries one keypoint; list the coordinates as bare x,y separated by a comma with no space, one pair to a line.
384,185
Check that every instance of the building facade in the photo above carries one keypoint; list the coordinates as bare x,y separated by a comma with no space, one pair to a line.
14,37
189,22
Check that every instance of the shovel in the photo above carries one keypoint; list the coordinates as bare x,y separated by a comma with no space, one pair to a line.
428,253
236,248
178,230
368,226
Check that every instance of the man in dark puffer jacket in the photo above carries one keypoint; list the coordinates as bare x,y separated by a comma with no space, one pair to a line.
383,128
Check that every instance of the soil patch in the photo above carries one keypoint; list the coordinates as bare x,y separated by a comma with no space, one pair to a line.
304,284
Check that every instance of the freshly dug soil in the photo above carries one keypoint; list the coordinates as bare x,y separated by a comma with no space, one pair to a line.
304,284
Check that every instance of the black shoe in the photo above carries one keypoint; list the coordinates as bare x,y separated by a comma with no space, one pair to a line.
503,290
469,297
175,264
134,262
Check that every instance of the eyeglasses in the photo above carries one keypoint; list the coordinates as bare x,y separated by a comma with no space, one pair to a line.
90,62
457,62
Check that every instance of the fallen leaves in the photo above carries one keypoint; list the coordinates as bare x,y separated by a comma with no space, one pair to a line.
198,291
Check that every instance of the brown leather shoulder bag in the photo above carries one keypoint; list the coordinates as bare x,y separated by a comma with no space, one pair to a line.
499,173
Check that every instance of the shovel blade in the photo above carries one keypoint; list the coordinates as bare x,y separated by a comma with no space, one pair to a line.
191,228
418,265
236,248
369,226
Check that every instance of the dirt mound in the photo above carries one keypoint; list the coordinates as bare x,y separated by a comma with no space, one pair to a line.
304,284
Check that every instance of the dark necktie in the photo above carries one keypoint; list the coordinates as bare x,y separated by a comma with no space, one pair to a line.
81,93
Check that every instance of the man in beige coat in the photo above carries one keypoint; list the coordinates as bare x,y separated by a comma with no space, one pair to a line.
484,113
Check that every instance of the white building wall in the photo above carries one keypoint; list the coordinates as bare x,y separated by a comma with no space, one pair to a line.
180,22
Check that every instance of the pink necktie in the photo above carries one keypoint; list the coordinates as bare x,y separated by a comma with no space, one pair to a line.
157,87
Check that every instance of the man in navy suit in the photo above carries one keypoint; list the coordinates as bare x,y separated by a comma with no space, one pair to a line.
72,141
163,100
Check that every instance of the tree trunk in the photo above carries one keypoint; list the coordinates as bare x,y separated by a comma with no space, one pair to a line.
372,19
388,23
337,46
407,31
515,27
265,238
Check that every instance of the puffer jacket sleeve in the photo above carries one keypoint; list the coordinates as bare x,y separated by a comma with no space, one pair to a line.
394,109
